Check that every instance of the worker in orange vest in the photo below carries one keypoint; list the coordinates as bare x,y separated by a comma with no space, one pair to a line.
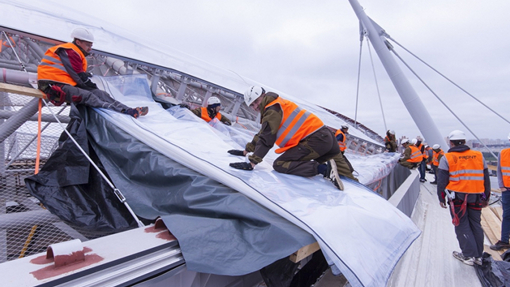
62,75
390,141
422,166
304,142
412,156
212,111
340,136
503,171
437,154
463,181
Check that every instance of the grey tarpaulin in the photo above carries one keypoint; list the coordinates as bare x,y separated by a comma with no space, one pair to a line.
219,230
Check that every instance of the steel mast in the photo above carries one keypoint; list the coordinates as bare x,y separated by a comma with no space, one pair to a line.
407,93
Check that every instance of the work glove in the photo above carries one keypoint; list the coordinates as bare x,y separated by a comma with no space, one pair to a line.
56,95
227,123
241,165
85,77
236,152
184,106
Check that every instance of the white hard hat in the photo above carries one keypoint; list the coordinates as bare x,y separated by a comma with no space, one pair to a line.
436,146
252,94
404,141
345,127
392,132
457,135
82,34
213,100
414,141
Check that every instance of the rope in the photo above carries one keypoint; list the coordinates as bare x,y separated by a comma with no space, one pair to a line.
357,86
449,80
12,47
444,104
377,85
38,153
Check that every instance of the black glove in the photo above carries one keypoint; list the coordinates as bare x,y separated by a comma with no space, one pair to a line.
242,165
228,123
85,77
236,152
184,106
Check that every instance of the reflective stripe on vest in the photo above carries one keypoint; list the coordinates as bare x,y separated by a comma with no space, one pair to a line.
466,171
341,144
52,69
416,155
205,115
296,124
504,161
435,156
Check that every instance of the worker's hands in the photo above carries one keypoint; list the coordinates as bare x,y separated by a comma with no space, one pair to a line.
484,203
443,204
242,165
85,77
227,123
182,105
236,152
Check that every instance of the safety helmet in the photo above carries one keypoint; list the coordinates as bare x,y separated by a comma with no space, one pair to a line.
436,146
414,141
404,141
252,94
213,101
82,34
392,132
346,127
457,135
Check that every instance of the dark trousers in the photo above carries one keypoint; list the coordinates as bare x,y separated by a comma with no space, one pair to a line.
505,223
469,232
422,167
315,149
434,169
95,98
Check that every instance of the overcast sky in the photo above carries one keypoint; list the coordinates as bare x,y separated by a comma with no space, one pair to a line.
310,49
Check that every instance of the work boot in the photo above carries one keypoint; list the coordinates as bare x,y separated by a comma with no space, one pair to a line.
335,178
433,182
500,245
466,260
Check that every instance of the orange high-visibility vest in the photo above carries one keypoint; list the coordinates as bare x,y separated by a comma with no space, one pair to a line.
341,144
504,161
435,157
52,69
205,116
425,155
466,171
416,155
296,124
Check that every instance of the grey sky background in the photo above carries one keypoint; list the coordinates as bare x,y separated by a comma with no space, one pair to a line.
310,49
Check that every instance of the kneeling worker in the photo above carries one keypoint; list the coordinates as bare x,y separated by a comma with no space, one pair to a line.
305,143
212,111
412,155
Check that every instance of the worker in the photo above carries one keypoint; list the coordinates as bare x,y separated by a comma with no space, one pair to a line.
503,171
390,141
304,142
437,154
412,156
463,180
212,111
340,137
422,166
62,75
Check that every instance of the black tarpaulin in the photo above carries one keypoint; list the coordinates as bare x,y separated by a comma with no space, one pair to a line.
219,230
